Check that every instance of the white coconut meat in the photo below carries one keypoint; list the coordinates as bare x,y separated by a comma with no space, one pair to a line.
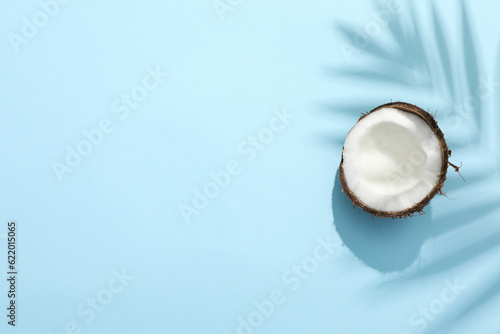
391,159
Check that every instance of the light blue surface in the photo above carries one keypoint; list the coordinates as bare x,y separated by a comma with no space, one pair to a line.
266,254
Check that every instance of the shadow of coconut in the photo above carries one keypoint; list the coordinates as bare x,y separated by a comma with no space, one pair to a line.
385,244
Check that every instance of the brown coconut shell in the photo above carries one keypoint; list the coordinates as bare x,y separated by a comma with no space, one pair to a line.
418,207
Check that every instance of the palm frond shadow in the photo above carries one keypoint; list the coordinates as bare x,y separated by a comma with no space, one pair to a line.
492,291
487,294
434,72
496,116
460,256
407,60
425,60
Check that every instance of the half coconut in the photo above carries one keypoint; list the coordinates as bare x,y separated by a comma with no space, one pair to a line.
394,161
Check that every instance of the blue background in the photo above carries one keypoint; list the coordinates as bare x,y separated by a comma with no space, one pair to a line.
120,209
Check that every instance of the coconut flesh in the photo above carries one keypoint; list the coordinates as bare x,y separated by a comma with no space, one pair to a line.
394,160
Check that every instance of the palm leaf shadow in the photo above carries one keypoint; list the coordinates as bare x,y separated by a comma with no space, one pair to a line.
488,294
414,62
496,117
435,68
444,54
482,246
470,65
